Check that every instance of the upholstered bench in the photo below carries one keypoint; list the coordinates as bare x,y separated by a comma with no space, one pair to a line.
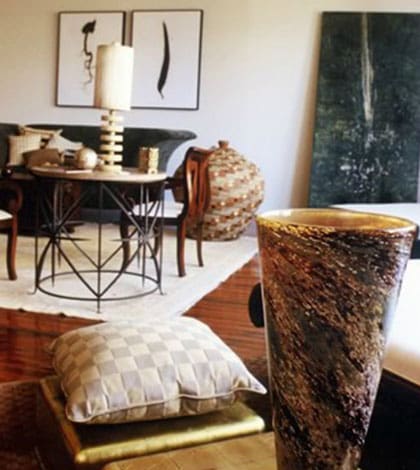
65,445
402,357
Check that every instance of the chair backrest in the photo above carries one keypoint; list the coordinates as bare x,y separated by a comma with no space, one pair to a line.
196,182
11,197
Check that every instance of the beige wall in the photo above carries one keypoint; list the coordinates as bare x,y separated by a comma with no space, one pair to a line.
258,85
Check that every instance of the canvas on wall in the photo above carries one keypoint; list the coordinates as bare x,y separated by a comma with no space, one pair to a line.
80,33
167,56
367,131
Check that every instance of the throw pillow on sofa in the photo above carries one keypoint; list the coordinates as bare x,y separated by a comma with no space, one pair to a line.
46,134
19,144
62,144
132,371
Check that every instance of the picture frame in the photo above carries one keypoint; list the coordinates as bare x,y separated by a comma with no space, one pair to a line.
167,58
79,34
354,158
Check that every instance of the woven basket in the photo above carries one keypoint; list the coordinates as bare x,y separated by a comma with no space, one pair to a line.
236,191
17,425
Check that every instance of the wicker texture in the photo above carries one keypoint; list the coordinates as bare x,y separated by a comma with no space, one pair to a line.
17,426
236,191
19,460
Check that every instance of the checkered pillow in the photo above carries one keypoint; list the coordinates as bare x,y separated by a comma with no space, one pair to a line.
123,371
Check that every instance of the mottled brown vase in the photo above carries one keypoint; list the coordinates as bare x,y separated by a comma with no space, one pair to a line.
331,279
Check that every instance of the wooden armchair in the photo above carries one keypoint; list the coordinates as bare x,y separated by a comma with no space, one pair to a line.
193,195
10,203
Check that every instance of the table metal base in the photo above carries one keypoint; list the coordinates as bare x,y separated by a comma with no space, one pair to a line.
99,275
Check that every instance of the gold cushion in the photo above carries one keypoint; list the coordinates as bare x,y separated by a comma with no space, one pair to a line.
72,445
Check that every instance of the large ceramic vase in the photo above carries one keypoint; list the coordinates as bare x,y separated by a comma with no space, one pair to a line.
331,280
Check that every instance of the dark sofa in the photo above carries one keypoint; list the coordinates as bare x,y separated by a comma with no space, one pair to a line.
167,140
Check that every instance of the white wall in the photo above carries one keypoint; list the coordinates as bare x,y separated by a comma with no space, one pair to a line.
258,77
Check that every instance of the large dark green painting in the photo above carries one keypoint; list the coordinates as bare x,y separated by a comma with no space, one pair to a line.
367,131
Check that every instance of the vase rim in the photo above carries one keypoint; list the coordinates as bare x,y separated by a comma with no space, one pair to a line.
337,219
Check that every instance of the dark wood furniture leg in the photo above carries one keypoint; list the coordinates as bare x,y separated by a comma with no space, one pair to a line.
11,250
11,199
125,244
199,243
180,240
193,187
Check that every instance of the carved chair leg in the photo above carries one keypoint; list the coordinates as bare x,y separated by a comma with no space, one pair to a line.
125,243
181,234
199,243
11,251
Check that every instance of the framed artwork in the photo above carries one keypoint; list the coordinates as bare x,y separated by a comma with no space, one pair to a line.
167,58
366,138
79,34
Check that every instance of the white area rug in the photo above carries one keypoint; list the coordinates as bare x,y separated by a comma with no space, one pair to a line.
221,259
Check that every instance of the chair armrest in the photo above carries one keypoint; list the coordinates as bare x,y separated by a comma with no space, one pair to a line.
11,196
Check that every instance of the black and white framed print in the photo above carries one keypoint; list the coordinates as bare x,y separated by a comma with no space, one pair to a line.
79,34
167,58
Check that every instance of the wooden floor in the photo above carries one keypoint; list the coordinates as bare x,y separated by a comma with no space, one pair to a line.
24,336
